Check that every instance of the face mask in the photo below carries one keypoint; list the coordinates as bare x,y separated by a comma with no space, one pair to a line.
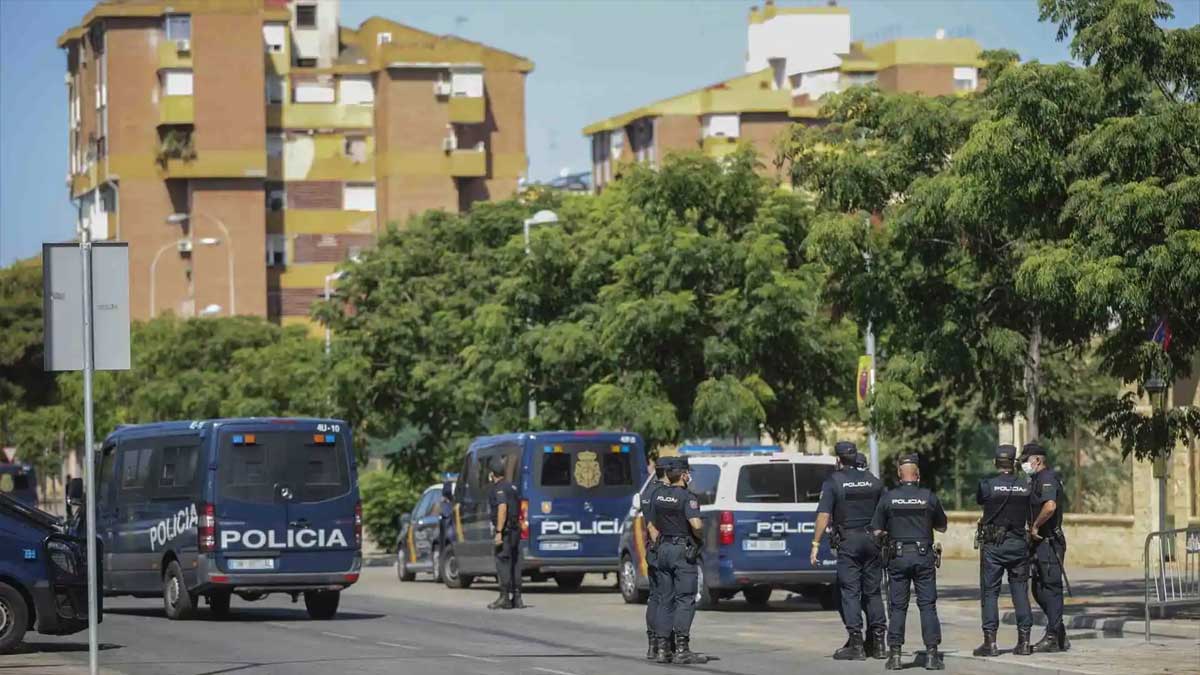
1027,467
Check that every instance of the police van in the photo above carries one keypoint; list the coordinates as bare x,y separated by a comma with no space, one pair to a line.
19,481
214,508
574,489
759,508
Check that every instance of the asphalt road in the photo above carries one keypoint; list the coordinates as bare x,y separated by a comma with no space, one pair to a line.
418,627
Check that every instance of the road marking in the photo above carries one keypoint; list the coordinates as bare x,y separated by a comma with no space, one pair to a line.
553,672
393,644
475,658
339,635
280,625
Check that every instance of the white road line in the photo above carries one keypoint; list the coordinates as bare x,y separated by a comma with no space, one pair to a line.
552,671
280,625
475,658
339,635
393,644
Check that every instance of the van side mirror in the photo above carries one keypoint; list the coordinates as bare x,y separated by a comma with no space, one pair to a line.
75,495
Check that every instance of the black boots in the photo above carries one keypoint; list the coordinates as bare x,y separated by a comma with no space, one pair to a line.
988,648
685,655
1048,644
662,649
933,659
652,651
501,602
1063,643
852,650
877,647
893,660
517,602
1022,648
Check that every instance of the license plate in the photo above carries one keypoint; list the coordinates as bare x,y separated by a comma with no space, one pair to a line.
559,545
764,545
251,564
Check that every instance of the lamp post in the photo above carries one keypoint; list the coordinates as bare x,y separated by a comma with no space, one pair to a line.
329,279
543,217
872,437
1156,389
178,218
207,241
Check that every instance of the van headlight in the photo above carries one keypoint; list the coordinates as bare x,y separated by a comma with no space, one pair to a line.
62,555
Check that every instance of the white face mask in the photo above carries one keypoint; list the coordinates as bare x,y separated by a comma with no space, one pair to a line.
1027,467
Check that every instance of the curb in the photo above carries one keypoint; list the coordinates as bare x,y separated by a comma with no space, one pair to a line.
1116,626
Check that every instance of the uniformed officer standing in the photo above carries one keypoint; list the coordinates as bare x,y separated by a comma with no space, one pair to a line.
507,542
909,514
675,529
659,470
1049,545
445,519
1002,548
850,496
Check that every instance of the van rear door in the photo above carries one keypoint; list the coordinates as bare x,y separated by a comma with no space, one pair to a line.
775,515
321,513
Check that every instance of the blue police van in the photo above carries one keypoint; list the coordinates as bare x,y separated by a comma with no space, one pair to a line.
759,509
216,508
43,574
575,489
19,481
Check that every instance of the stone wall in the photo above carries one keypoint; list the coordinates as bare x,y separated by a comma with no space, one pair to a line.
1092,540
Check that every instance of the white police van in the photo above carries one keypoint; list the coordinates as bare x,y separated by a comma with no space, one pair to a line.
759,508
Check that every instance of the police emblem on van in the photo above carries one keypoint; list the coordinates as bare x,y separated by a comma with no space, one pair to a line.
587,469
270,539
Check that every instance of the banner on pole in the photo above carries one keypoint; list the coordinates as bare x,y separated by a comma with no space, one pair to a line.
862,383
62,304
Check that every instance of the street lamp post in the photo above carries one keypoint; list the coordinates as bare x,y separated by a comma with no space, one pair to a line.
177,218
543,217
329,279
872,437
1156,389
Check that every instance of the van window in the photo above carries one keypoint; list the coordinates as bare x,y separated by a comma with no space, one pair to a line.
251,472
781,483
135,468
704,482
586,468
177,468
809,478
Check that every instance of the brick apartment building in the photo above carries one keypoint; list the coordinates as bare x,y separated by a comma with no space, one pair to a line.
795,56
244,148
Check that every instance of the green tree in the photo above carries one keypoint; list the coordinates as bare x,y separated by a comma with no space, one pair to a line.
24,384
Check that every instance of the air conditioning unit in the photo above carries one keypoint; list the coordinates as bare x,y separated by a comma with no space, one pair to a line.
449,144
66,78
183,45
184,246
441,88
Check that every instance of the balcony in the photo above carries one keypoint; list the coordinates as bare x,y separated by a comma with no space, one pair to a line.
215,164
468,109
169,55
468,163
320,221
177,110
320,116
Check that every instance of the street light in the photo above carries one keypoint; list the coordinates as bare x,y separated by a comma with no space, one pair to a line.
543,217
1156,390
180,218
329,279
872,437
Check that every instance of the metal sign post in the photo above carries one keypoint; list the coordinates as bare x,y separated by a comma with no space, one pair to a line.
81,307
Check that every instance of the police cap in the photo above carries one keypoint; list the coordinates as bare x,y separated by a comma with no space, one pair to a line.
1008,452
1031,449
910,458
677,463
663,463
860,460
496,466
845,450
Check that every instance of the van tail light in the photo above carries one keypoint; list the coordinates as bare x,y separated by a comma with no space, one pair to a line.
358,524
725,529
525,520
206,529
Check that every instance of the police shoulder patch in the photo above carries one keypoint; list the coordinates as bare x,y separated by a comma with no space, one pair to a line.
693,504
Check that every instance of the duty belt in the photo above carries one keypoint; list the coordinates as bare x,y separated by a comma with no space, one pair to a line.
673,539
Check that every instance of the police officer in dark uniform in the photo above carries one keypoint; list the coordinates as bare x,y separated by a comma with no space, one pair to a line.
659,470
675,529
445,519
1048,543
1002,548
848,498
909,514
506,514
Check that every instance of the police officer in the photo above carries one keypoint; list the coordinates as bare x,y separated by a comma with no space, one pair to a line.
1002,548
675,528
445,519
848,497
507,542
909,514
1048,543
659,470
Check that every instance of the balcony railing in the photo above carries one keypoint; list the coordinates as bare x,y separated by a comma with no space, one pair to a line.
468,109
468,163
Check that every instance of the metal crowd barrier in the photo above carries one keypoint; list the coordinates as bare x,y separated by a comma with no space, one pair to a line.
1172,565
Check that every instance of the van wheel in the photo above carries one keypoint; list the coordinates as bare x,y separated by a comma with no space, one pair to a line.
322,605
628,583
14,618
402,571
831,597
179,603
450,574
435,558
218,603
569,581
757,595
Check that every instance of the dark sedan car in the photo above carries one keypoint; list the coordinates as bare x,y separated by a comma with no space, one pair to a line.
423,534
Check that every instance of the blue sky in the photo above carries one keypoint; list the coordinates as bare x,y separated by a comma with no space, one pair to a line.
594,58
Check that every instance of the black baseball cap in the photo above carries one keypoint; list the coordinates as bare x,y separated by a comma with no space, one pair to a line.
910,458
1008,452
663,463
1032,448
845,450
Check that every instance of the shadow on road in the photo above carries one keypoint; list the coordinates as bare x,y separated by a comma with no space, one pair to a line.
245,614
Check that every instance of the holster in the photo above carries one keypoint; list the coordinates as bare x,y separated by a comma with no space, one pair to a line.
937,556
836,537
691,551
887,549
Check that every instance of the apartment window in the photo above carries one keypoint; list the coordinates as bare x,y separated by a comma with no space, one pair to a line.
721,124
274,89
275,145
312,91
966,79
274,37
466,83
383,38
356,148
356,90
276,250
358,197
276,198
306,63
856,79
616,143
177,82
306,16
179,27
